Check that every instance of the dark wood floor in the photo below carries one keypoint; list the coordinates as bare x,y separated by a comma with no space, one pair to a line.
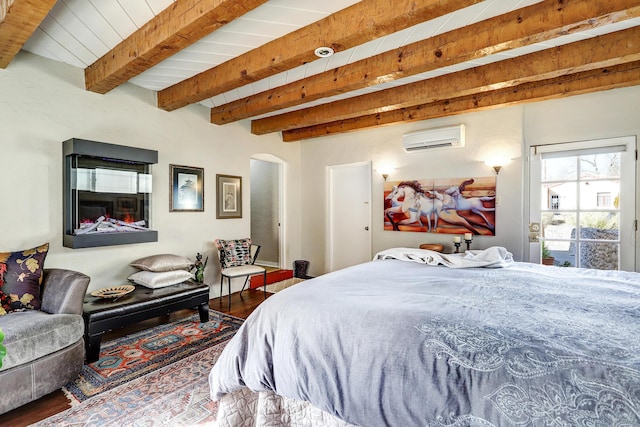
241,306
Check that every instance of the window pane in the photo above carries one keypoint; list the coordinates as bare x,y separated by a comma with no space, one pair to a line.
600,166
564,253
567,259
563,168
603,256
556,225
599,225
559,196
599,194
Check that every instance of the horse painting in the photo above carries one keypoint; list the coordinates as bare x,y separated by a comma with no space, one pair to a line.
409,207
417,208
473,204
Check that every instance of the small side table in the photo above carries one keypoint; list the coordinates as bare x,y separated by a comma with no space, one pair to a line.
436,247
102,315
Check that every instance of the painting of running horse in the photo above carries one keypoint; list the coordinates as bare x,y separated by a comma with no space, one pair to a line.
447,206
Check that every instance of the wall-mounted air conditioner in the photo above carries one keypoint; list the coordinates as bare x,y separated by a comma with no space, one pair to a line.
445,137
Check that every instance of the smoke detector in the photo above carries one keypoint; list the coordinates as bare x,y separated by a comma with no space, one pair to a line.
323,52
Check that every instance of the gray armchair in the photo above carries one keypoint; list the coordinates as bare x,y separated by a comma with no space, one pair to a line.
45,348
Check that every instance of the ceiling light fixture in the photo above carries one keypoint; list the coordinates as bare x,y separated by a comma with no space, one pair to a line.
323,52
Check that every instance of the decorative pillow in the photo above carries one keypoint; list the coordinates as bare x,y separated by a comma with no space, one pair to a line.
23,277
160,279
5,301
234,253
163,262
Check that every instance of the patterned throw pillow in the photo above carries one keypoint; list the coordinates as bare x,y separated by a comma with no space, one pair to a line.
23,277
5,304
5,301
234,253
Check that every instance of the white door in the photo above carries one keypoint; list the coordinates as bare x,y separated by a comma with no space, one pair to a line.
349,215
582,207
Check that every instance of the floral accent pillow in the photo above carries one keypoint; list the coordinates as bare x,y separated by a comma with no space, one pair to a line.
5,301
23,277
234,253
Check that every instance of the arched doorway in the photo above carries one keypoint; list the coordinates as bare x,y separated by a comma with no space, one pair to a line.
266,207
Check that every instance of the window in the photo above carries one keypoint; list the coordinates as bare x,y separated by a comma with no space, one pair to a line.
583,197
604,200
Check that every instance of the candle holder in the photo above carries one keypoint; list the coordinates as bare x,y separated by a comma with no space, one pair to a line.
468,242
457,245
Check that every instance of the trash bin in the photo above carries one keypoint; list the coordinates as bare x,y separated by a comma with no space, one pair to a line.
300,268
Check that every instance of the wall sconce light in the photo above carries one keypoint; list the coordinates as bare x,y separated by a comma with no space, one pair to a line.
384,171
496,162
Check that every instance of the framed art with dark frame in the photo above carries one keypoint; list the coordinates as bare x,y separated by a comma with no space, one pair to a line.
186,192
228,196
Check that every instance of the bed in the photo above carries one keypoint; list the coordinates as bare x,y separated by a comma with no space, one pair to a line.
417,338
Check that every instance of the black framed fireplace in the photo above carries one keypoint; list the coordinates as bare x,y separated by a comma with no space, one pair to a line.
107,194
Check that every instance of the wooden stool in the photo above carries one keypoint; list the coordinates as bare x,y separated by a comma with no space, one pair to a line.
436,247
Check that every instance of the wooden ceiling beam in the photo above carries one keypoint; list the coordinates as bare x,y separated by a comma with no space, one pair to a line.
533,24
18,20
350,27
618,76
597,52
181,24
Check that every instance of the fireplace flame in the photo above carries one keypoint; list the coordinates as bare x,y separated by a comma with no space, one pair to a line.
104,224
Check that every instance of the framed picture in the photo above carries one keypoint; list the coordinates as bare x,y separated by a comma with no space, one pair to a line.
186,192
228,196
417,205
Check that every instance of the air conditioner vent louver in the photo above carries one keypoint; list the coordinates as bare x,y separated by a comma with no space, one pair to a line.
445,137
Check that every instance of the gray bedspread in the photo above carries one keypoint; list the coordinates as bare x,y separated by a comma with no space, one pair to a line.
393,343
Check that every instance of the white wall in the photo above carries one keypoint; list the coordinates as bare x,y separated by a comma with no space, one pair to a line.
508,130
43,103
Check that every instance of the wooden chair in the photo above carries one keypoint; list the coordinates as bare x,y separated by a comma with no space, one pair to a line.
246,270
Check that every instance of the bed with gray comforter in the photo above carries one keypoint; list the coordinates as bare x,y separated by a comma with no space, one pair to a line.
397,343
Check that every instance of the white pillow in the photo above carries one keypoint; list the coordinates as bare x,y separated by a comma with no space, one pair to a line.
154,280
162,262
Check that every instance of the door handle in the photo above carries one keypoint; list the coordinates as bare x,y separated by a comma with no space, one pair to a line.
534,232
366,229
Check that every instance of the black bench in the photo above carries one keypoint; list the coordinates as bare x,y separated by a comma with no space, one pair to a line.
102,315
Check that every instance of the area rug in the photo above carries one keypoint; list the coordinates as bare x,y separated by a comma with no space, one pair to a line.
125,359
176,395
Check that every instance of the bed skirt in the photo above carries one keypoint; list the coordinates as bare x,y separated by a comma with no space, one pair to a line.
249,409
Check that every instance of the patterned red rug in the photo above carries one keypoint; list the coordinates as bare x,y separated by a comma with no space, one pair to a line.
130,357
176,395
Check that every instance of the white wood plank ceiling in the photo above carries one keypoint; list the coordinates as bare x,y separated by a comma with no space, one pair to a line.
78,32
